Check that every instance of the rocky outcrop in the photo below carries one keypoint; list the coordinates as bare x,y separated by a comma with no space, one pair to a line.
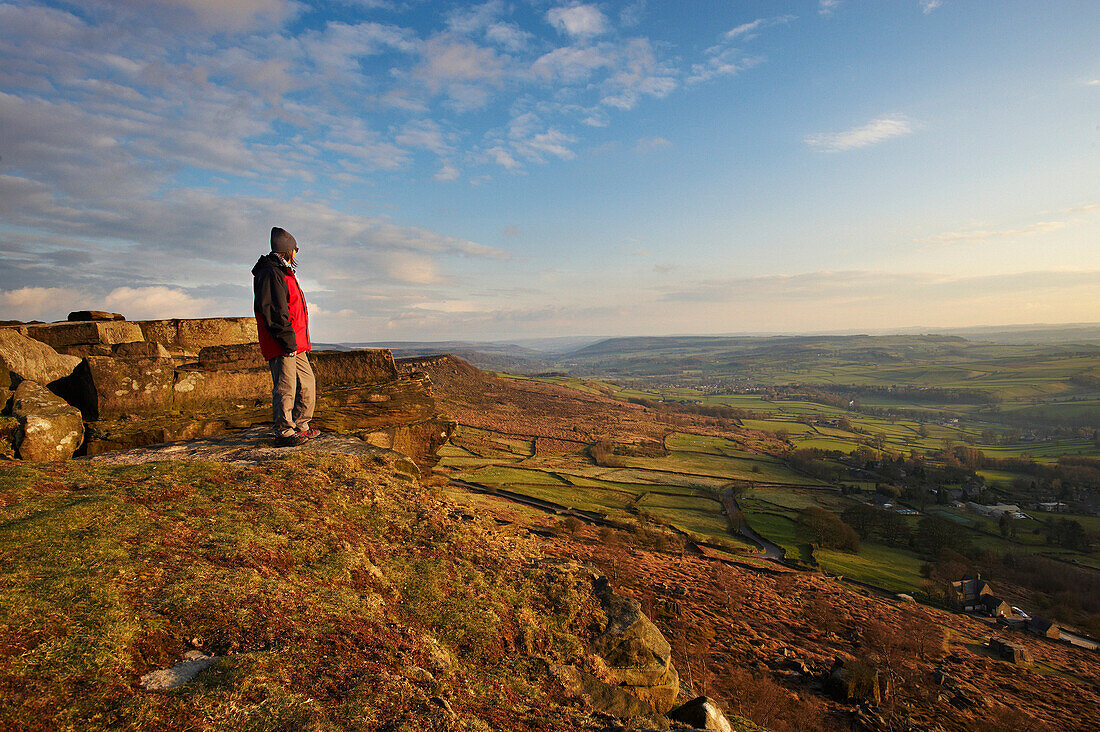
48,428
637,654
95,334
83,338
25,358
856,681
606,698
630,673
145,382
701,713
142,400
236,356
111,387
193,334
79,315
1013,652
256,445
191,665
141,349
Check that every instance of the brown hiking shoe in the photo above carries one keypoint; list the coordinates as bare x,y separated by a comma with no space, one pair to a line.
309,434
290,440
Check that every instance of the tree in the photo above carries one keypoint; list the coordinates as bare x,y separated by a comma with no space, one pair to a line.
827,530
934,534
861,517
894,530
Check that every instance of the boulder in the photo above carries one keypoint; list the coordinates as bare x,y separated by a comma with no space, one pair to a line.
82,350
192,664
637,655
1013,652
350,368
607,698
237,356
197,333
81,315
49,429
26,358
112,387
195,389
701,713
85,333
856,681
140,349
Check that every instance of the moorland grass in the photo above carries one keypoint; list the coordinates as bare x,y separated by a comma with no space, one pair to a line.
107,573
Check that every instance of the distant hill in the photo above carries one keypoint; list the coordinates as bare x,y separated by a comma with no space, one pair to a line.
490,356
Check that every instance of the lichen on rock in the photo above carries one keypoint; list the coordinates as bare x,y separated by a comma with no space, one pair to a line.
49,429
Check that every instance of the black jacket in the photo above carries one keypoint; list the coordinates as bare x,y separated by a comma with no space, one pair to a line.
272,294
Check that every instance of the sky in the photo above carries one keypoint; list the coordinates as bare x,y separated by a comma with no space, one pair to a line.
535,168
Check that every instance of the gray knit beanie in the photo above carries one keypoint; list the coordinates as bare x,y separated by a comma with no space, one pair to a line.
281,241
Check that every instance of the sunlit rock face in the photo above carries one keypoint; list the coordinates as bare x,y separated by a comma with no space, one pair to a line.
49,428
144,382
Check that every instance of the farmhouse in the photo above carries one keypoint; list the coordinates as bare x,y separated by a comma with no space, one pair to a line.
995,606
1044,627
969,591
996,510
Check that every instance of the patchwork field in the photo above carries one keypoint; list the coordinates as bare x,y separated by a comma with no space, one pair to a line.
668,460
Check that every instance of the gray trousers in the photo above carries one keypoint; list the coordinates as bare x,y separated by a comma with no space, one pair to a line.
293,393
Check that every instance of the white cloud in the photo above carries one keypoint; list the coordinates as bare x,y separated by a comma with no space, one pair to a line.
136,303
637,73
424,134
1065,217
450,306
871,133
508,35
446,173
409,267
632,14
649,144
151,303
744,29
502,157
37,303
474,19
581,21
462,69
826,7
551,142
217,15
570,63
927,6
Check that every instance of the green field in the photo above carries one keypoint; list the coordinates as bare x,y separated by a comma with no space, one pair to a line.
909,394
894,569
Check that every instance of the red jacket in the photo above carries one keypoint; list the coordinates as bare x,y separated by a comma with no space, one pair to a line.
281,315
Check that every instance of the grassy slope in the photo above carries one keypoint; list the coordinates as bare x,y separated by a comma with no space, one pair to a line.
105,573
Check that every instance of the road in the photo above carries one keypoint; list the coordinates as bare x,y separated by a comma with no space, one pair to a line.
771,551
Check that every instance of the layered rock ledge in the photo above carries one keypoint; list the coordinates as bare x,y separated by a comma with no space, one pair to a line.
139,383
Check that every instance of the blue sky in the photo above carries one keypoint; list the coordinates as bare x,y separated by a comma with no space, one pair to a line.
536,168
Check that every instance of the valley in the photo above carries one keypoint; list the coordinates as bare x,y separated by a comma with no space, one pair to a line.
912,467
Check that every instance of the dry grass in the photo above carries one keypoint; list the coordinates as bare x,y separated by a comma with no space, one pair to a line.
107,573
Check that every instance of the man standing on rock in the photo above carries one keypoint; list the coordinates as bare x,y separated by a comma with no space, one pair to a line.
283,323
